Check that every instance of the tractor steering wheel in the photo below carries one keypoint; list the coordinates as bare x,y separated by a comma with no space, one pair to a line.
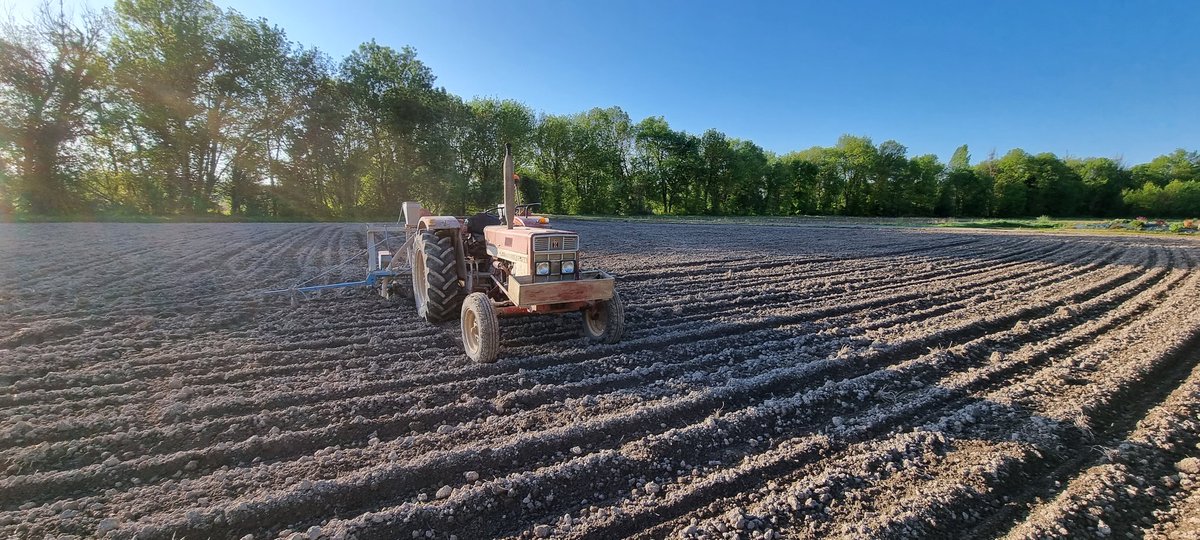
523,210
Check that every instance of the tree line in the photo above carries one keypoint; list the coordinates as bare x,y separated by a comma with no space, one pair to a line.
177,107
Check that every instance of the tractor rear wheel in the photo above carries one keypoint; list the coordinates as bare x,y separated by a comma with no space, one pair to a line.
604,321
436,289
480,328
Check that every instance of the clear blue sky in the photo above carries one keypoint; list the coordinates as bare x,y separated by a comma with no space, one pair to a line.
1080,78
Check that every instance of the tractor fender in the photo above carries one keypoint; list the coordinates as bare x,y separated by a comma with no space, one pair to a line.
438,223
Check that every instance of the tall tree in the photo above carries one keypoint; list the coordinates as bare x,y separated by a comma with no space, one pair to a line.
961,159
492,124
919,192
1103,181
554,151
49,72
166,65
599,158
392,95
1013,177
668,161
855,161
716,182
747,187
1178,165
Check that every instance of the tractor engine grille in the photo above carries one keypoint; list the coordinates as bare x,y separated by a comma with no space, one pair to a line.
555,243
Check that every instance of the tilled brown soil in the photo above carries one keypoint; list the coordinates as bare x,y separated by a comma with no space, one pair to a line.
773,382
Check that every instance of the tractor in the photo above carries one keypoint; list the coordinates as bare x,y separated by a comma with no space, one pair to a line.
502,263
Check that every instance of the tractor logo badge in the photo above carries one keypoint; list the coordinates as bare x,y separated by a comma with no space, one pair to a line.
556,243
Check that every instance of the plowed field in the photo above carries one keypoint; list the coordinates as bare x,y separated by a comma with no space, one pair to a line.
774,382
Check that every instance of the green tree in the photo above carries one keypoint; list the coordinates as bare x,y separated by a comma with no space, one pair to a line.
1178,165
1054,189
393,98
553,152
668,162
49,72
600,143
889,181
800,177
492,124
1103,180
1012,177
1177,199
961,159
166,64
920,191
855,162
324,173
748,183
966,191
715,175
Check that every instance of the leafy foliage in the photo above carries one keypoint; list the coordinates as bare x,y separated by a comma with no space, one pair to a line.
169,107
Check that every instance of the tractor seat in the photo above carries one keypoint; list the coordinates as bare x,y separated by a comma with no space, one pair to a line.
477,222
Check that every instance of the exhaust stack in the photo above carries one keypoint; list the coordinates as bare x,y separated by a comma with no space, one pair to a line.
509,187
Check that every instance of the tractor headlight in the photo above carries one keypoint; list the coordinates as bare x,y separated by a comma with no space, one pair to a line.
542,268
568,267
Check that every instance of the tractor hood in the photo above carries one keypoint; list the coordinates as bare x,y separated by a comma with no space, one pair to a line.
523,246
520,239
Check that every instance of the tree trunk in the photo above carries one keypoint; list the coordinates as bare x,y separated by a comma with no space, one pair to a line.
41,187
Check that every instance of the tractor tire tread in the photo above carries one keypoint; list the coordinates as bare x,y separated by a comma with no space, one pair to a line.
443,291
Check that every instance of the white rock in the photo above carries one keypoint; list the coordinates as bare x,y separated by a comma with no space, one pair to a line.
1188,465
106,524
444,492
471,476
314,532
542,531
652,488
576,450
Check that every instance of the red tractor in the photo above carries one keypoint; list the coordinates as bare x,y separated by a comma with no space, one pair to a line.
500,264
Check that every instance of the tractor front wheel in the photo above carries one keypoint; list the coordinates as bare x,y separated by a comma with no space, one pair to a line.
436,289
604,321
480,328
